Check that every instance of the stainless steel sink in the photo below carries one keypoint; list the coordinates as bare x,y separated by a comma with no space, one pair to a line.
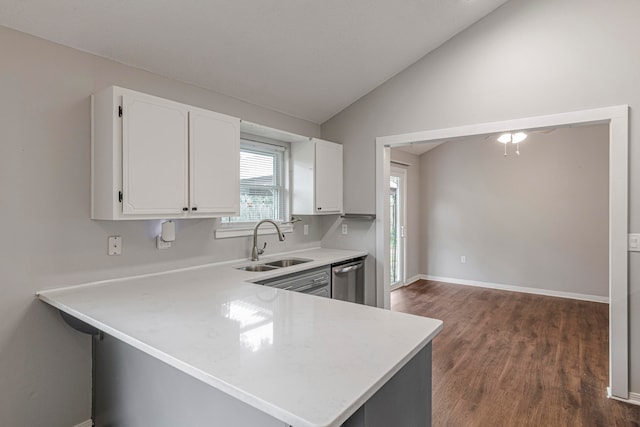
272,265
287,262
258,267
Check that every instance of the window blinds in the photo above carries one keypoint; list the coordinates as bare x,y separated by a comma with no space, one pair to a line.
262,193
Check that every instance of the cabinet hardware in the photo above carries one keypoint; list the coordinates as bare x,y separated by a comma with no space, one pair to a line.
185,209
120,196
194,208
120,111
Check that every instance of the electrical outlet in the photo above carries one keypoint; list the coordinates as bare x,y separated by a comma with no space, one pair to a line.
463,259
345,229
305,229
161,244
115,246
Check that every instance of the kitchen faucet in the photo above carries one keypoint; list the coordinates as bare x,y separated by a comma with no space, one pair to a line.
256,251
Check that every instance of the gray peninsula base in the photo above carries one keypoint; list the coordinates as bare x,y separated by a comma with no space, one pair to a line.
133,389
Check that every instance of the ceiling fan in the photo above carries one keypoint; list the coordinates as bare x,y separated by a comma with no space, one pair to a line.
516,138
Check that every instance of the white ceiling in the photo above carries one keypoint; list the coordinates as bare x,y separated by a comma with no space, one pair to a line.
309,59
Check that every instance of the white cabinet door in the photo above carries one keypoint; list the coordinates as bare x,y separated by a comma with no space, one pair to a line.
154,156
214,150
328,177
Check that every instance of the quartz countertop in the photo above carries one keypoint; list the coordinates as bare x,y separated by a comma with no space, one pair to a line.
281,352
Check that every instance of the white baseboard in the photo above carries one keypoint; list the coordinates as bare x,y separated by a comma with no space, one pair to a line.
415,278
408,281
87,423
513,288
634,398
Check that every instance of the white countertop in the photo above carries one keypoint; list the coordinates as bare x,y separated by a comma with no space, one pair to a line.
279,351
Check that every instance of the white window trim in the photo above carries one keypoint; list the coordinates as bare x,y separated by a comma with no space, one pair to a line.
243,229
225,232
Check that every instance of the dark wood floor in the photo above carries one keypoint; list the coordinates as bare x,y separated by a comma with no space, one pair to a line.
516,359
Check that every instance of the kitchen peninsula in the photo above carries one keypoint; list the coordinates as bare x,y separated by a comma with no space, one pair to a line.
203,346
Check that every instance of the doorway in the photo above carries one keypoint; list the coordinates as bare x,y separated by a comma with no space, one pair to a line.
617,118
397,226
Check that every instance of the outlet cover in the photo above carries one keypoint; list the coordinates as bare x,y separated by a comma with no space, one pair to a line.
345,229
634,242
161,244
306,229
115,246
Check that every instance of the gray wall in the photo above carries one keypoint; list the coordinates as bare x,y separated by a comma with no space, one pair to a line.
525,59
50,240
537,220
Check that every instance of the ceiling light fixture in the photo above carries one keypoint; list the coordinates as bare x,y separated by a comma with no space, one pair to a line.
505,138
514,138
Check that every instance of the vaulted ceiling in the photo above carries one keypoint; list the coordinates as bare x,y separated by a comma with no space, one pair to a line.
307,58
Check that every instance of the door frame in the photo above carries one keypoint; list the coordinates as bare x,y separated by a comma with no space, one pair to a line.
617,117
402,197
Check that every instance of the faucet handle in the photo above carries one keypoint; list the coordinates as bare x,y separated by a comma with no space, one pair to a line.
261,251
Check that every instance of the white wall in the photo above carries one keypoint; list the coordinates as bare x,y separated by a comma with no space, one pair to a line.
525,59
48,238
538,220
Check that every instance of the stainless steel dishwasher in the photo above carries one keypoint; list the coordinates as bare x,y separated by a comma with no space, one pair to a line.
347,281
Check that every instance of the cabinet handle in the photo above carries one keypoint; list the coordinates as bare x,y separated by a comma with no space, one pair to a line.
194,208
319,208
185,209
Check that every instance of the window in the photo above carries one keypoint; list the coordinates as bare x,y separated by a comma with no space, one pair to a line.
262,184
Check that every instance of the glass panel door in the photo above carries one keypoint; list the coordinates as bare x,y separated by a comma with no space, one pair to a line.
397,201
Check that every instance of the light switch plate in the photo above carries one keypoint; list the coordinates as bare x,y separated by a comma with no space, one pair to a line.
634,242
115,246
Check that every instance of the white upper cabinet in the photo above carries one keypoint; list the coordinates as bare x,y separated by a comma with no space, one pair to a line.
317,177
155,158
214,153
328,177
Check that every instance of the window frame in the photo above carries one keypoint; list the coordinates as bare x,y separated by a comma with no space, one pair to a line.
245,228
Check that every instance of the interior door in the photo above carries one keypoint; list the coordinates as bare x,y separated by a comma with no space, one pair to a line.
397,224
214,151
154,156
